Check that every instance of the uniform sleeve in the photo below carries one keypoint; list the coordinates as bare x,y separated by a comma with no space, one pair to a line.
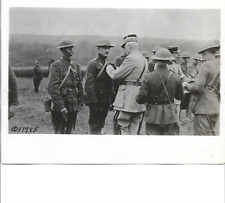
122,71
200,80
142,95
80,86
13,94
90,84
117,62
53,87
179,94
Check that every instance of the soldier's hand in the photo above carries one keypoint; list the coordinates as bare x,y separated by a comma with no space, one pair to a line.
65,114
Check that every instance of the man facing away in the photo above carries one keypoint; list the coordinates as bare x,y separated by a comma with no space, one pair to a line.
158,90
98,89
130,73
65,89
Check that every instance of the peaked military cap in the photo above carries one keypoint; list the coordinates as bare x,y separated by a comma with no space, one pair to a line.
129,38
104,43
173,49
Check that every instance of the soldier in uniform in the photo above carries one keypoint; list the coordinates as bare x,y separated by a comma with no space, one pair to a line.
206,109
151,65
130,73
158,90
185,56
193,66
175,67
37,76
65,89
13,94
98,89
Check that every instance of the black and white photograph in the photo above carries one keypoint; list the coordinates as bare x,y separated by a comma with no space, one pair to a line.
112,101
105,71
112,84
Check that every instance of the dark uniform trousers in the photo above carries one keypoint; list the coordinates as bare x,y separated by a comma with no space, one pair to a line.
62,126
98,88
98,113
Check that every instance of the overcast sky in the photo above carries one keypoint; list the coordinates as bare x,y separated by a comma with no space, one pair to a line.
177,24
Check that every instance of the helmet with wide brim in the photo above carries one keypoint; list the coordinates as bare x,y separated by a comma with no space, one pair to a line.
104,43
185,54
197,57
65,43
211,45
163,54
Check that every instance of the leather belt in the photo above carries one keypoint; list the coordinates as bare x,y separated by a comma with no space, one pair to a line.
130,83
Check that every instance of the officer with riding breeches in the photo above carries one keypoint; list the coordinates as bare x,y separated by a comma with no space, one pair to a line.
65,89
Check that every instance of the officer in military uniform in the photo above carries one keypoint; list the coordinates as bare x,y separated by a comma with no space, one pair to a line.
13,94
65,89
158,90
206,85
37,76
130,73
98,89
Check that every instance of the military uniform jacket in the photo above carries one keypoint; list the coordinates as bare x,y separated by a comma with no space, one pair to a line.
130,70
159,110
207,102
73,82
97,89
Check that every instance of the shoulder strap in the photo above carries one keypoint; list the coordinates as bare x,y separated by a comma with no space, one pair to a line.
100,72
68,72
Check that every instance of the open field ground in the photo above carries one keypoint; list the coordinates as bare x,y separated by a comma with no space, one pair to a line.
31,113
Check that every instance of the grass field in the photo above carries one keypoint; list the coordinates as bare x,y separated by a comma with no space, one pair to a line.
30,113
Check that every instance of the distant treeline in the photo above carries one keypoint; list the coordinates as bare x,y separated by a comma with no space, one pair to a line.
25,49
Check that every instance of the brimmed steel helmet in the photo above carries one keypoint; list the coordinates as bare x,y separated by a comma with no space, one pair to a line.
104,43
163,54
185,54
65,43
173,49
197,57
210,45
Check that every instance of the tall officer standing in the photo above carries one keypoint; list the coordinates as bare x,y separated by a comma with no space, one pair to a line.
130,73
65,89
158,90
206,85
98,89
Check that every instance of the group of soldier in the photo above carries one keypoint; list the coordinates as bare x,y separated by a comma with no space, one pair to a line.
137,89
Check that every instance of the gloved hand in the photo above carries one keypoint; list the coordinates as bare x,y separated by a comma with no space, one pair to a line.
65,114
